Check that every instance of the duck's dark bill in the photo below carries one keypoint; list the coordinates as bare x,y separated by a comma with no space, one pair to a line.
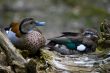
39,23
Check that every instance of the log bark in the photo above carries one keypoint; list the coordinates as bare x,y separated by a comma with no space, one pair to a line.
78,63
5,69
10,51
14,59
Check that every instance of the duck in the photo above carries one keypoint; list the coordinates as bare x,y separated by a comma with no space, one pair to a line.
23,35
66,43
71,41
90,39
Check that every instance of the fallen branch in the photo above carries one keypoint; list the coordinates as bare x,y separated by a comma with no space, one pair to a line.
10,51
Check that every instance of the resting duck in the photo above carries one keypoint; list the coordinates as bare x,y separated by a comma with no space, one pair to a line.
90,40
24,37
81,42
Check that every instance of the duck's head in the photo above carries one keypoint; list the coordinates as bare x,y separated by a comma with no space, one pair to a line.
91,34
28,24
24,27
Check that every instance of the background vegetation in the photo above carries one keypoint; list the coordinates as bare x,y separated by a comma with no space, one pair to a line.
59,15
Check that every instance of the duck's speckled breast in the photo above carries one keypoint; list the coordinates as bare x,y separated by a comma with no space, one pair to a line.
33,41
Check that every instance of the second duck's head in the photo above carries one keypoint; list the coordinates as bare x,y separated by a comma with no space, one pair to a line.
91,34
24,26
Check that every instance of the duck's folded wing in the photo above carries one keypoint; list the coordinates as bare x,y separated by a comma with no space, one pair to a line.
70,33
60,40
76,38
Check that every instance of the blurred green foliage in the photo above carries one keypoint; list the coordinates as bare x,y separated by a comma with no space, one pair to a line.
88,9
70,12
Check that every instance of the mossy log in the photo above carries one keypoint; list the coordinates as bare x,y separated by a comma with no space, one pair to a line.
14,59
78,63
50,61
5,69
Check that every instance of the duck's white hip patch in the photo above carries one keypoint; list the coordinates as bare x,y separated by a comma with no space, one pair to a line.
81,47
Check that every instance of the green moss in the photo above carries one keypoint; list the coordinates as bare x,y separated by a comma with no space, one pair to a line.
25,53
43,61
45,55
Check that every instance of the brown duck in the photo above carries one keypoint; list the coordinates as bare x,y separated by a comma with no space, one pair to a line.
24,37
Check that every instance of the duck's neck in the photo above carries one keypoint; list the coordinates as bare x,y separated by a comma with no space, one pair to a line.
38,30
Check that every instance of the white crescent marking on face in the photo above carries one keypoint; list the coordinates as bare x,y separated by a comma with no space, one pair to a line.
89,36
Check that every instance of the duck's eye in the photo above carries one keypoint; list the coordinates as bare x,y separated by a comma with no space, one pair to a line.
85,33
31,22
89,32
